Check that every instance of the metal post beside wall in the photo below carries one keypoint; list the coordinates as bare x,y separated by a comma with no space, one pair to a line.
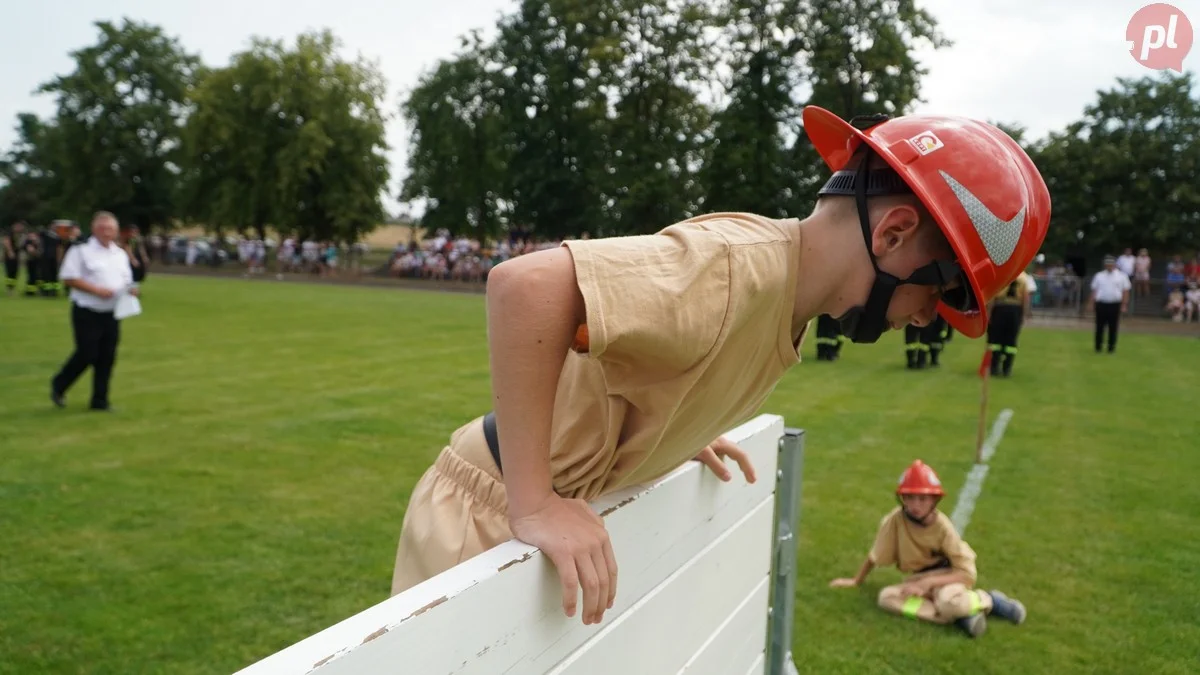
783,581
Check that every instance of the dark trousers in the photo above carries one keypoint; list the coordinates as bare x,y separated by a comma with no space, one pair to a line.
1108,315
924,344
33,281
96,338
48,279
829,338
933,337
1004,327
12,269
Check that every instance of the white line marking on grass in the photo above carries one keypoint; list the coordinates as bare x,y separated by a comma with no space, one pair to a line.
965,505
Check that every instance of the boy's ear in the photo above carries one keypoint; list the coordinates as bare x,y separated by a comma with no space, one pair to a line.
898,225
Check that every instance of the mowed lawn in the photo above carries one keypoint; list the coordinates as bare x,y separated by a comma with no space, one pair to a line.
249,489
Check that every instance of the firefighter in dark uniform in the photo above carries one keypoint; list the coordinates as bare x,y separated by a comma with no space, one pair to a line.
130,239
72,236
829,338
52,254
933,337
1008,312
32,247
912,346
12,255
923,345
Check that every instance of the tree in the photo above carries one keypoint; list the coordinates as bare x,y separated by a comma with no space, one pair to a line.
560,58
1125,174
860,62
591,115
231,141
658,127
117,123
458,150
30,172
292,138
335,163
747,166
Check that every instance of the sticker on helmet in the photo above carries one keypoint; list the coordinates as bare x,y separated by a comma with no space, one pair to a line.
926,142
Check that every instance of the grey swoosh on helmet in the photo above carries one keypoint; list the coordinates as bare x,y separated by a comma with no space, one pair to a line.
999,237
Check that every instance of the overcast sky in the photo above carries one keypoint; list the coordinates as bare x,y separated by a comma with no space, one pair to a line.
1032,62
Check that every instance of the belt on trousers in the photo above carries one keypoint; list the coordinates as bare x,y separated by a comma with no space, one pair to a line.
493,441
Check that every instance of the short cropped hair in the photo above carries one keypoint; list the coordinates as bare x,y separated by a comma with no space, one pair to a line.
845,206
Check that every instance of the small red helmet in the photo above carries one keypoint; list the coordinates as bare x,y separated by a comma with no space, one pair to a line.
982,189
920,479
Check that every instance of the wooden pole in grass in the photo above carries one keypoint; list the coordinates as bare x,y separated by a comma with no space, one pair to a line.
985,368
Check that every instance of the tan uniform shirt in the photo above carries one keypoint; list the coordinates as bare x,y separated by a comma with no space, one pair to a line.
1017,291
912,548
690,330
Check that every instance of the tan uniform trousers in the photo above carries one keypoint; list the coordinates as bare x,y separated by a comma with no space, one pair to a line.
942,605
457,510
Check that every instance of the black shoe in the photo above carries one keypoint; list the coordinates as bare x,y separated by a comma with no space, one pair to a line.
59,399
102,407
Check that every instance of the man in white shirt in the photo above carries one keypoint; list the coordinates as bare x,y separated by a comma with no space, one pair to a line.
97,272
1125,262
1109,300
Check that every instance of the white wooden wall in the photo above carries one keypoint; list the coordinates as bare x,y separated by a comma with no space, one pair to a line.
694,558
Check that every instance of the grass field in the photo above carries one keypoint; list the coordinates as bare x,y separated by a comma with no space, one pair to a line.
249,488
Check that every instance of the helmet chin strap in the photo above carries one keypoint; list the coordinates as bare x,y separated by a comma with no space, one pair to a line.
913,519
864,324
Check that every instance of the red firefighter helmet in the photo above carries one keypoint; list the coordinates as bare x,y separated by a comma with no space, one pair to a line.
920,479
981,188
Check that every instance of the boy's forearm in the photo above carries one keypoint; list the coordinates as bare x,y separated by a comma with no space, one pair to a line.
533,311
863,571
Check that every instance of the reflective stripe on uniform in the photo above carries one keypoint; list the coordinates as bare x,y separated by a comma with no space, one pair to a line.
913,605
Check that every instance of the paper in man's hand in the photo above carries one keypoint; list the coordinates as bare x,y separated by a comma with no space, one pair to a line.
127,304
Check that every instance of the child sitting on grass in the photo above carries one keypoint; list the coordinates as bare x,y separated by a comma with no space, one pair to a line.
921,541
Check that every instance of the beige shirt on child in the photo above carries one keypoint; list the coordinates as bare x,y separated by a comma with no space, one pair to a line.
912,548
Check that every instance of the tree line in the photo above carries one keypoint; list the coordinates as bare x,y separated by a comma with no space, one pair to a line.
286,137
602,116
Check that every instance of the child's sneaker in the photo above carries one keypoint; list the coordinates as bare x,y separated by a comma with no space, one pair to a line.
1007,608
973,626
